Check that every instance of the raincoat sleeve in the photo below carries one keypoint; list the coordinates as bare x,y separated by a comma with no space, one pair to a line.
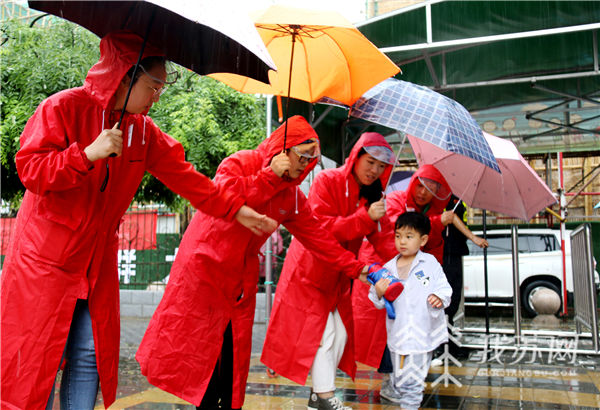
307,229
243,174
326,208
166,161
379,303
47,160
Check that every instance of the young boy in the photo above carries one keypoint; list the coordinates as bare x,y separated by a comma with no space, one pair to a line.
419,325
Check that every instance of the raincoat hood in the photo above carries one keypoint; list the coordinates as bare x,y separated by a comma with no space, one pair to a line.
119,51
368,139
436,206
299,130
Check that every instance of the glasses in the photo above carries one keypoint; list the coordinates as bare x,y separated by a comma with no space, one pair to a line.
171,79
157,91
306,157
172,76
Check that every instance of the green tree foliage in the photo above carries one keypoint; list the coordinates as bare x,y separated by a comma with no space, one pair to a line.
208,118
36,63
211,121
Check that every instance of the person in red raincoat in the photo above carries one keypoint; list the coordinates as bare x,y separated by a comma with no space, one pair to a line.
60,279
428,193
199,340
312,312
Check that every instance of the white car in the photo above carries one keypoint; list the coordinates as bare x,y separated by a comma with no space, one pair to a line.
540,266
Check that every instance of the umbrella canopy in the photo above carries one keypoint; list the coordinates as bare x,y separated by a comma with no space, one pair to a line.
201,35
517,191
328,56
427,115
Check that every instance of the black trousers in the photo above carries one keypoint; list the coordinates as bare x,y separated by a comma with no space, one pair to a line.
219,391
385,366
454,273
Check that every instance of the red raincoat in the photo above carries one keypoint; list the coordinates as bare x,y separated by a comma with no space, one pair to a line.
65,240
309,288
369,329
217,263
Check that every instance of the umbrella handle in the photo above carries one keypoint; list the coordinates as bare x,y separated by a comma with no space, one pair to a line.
395,162
453,209
135,69
287,102
279,109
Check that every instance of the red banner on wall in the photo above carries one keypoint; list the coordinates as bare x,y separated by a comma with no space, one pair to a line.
138,231
6,228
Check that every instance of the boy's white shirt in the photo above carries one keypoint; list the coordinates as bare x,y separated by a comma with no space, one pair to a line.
418,326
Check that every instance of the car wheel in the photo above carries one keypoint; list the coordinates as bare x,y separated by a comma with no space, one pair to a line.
528,292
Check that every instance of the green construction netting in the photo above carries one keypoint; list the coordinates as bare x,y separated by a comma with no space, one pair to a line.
510,59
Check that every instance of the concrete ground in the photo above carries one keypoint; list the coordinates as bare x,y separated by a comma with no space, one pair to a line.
561,374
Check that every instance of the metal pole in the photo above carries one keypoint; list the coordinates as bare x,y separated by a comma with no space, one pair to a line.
269,244
516,283
592,287
563,215
549,170
485,278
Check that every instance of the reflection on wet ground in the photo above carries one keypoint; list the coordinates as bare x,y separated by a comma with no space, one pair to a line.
554,370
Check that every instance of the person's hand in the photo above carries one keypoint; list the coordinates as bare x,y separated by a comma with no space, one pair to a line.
381,286
434,301
259,224
377,210
107,143
363,275
280,164
447,217
482,243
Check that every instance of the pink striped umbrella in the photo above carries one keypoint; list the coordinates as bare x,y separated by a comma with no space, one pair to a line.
517,191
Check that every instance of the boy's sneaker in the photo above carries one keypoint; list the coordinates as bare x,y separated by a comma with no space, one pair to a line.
313,401
436,362
332,403
388,393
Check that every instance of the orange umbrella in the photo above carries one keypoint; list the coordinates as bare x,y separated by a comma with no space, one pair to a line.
328,57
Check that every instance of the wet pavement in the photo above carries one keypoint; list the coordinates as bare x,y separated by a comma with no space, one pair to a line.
554,369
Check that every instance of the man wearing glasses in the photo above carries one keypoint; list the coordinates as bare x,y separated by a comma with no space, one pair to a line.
207,311
60,285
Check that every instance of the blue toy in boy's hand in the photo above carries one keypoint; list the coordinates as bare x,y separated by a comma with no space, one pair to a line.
395,288
391,312
376,273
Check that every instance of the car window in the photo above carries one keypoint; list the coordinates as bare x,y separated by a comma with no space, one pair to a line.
542,243
499,244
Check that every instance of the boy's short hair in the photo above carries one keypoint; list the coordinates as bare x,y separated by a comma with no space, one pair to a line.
415,220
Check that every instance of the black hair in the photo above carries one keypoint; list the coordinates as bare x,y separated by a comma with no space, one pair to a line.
415,220
372,193
148,63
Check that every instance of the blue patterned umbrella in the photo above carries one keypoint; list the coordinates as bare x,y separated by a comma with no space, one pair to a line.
425,114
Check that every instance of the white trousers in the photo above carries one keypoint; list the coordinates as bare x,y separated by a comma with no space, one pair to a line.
408,379
329,354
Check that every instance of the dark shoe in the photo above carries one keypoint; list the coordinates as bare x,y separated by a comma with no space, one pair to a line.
332,403
313,401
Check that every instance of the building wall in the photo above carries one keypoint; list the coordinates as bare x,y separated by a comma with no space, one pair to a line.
378,7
